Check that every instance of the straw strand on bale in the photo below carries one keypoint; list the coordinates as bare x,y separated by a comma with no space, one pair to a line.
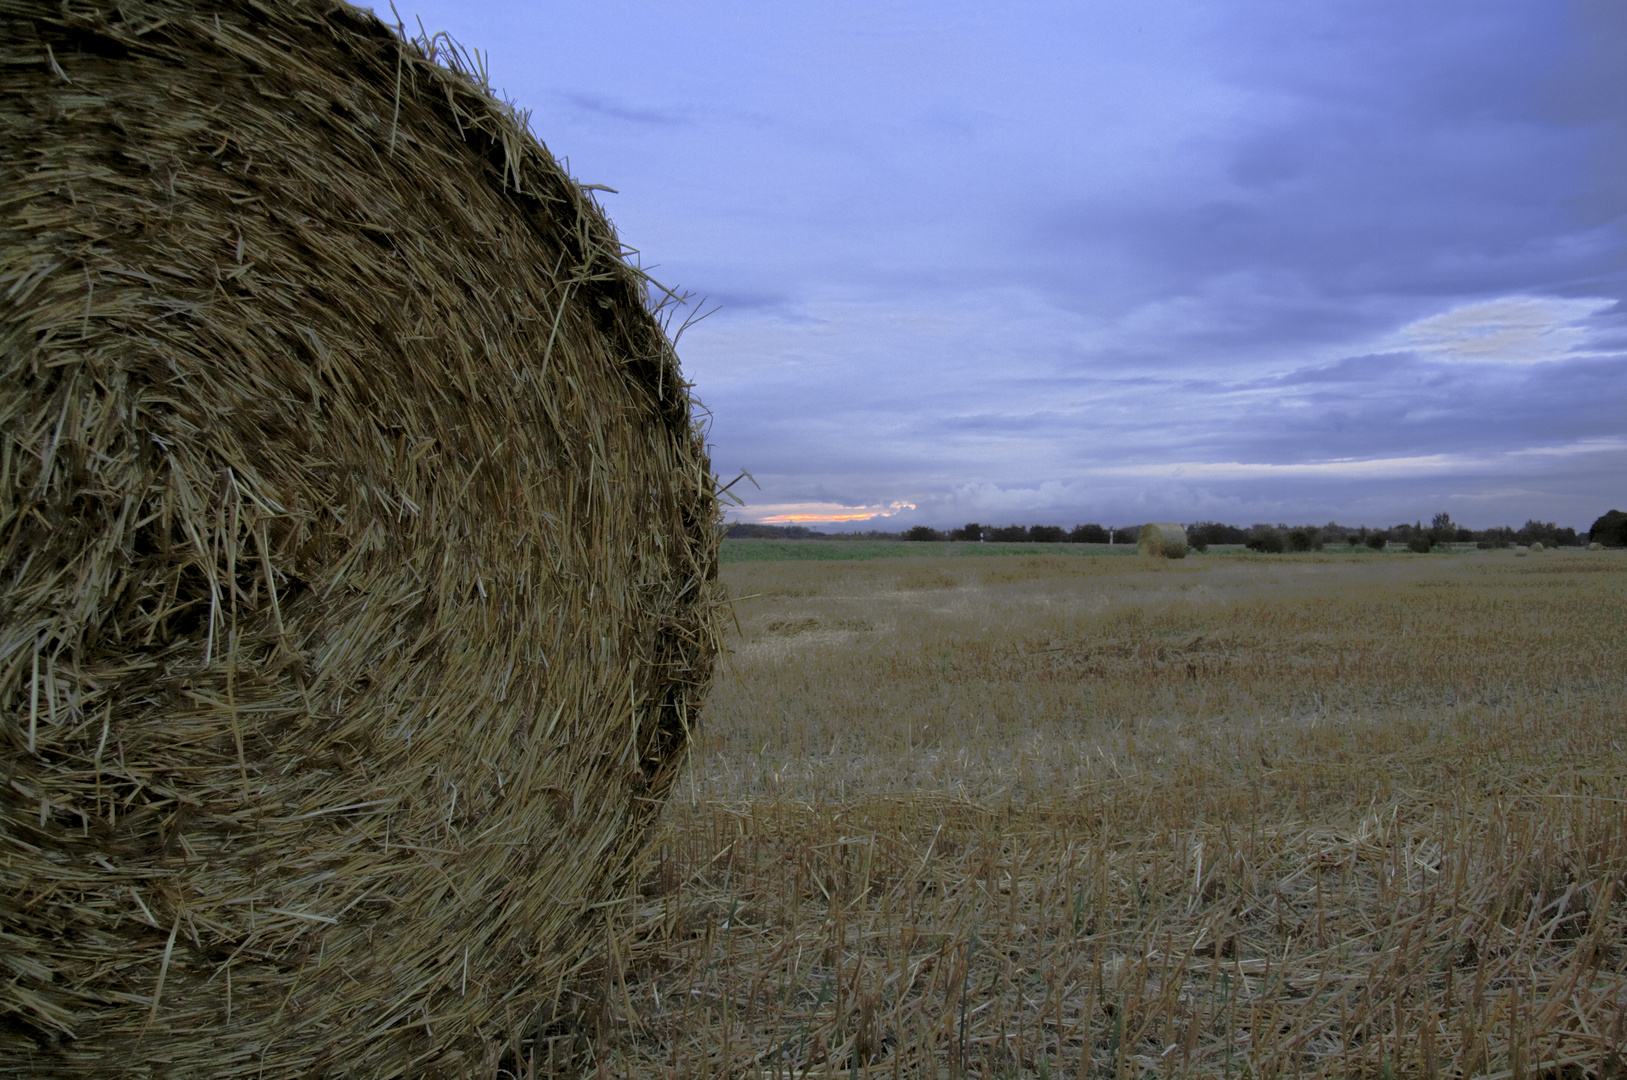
358,552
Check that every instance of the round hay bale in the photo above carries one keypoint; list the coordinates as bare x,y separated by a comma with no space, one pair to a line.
359,551
1164,539
1536,545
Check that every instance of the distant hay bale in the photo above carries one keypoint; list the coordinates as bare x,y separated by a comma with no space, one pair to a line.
1595,546
1164,539
359,551
1536,545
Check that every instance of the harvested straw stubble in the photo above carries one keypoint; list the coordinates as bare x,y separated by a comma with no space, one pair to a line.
1164,539
359,550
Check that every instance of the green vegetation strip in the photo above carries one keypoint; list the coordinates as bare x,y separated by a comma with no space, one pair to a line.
863,550
756,550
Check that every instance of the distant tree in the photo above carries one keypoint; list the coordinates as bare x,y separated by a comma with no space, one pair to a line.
1546,533
972,531
1047,534
1011,534
1609,530
922,532
1420,542
1463,535
750,530
1303,540
1088,534
1376,540
1442,529
1266,539
1214,532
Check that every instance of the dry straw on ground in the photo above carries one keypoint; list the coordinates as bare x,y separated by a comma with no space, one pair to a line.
358,551
1165,539
1240,816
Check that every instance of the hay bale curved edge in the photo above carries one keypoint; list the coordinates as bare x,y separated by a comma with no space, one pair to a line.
358,554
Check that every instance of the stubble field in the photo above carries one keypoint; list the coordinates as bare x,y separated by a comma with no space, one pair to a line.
1050,816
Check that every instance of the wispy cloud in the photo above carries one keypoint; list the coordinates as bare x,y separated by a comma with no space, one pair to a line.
612,109
1507,330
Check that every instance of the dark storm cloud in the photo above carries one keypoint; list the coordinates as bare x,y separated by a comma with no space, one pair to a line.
1587,92
1401,159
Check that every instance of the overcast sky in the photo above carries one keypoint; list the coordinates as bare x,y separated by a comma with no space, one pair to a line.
1241,260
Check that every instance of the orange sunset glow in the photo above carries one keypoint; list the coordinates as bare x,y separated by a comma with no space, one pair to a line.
805,513
783,519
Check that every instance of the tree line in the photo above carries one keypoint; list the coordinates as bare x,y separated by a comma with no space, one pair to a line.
1609,530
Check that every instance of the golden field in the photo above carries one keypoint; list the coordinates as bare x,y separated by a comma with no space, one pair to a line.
1323,815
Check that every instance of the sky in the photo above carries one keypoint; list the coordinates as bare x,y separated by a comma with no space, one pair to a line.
1175,260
